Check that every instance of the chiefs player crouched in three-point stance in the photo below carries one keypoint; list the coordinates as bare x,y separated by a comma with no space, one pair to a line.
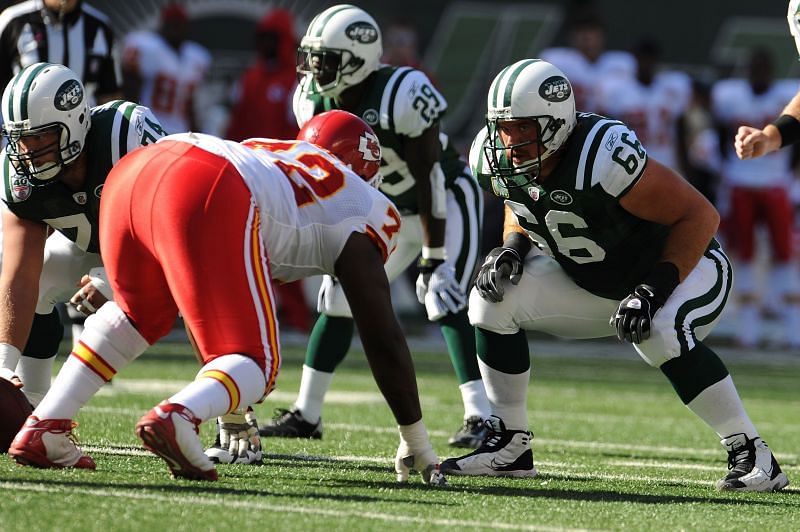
203,226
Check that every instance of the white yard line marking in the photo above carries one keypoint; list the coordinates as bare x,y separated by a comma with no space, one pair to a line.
572,444
227,503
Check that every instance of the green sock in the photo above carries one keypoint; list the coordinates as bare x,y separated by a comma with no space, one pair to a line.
460,338
329,342
693,372
507,353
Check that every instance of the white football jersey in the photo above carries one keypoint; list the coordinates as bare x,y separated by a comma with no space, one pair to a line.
169,76
585,76
650,110
310,202
733,103
793,16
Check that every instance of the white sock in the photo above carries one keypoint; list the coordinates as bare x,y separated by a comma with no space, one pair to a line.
749,324
508,395
109,343
74,385
313,386
476,403
36,374
226,383
791,324
721,408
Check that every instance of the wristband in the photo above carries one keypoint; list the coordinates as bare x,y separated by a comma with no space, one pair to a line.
664,278
789,128
9,356
434,253
518,242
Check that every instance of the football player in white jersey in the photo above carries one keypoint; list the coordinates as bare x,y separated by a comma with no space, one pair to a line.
53,169
162,69
208,226
758,192
586,61
751,142
582,189
649,103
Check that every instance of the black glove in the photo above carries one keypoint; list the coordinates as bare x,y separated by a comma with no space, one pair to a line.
501,263
635,314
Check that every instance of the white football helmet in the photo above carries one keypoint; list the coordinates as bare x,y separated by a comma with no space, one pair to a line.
528,89
341,47
45,97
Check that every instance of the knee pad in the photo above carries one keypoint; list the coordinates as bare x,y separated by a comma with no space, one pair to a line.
331,299
46,335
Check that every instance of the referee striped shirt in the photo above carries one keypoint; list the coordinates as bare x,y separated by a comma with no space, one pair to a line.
83,41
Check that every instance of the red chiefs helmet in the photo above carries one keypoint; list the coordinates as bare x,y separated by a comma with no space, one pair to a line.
350,139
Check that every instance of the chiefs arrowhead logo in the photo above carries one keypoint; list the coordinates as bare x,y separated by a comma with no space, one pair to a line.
369,146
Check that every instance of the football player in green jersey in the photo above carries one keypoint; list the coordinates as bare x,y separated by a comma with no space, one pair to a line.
621,236
440,201
57,157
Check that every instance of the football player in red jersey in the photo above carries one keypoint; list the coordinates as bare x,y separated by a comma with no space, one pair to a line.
231,219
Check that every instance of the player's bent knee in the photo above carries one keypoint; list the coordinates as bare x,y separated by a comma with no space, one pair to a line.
110,329
45,337
494,317
663,344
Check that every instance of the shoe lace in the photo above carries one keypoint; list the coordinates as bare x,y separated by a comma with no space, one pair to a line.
741,458
280,413
493,438
71,435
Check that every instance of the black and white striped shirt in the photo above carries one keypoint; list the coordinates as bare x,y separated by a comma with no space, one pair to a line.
30,33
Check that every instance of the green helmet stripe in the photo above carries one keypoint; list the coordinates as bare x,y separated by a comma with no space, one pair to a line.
522,65
12,93
328,15
26,87
495,88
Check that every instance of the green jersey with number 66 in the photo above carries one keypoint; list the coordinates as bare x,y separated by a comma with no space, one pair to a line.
117,128
574,214
398,103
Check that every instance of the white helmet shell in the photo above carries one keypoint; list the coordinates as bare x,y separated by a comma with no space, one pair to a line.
535,89
39,97
346,32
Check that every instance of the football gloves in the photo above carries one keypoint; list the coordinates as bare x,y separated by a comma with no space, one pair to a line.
634,316
500,264
425,461
438,289
238,439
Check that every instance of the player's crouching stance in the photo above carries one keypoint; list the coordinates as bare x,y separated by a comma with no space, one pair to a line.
192,209
581,188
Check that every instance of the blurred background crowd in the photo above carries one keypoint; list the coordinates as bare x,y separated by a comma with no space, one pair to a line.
684,77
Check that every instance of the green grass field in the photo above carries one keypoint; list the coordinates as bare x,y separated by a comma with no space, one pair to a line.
614,447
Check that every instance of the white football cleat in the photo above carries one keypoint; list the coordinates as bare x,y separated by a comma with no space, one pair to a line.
752,466
504,453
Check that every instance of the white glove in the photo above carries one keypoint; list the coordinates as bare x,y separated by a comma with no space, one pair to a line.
99,280
422,458
438,289
331,300
239,441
